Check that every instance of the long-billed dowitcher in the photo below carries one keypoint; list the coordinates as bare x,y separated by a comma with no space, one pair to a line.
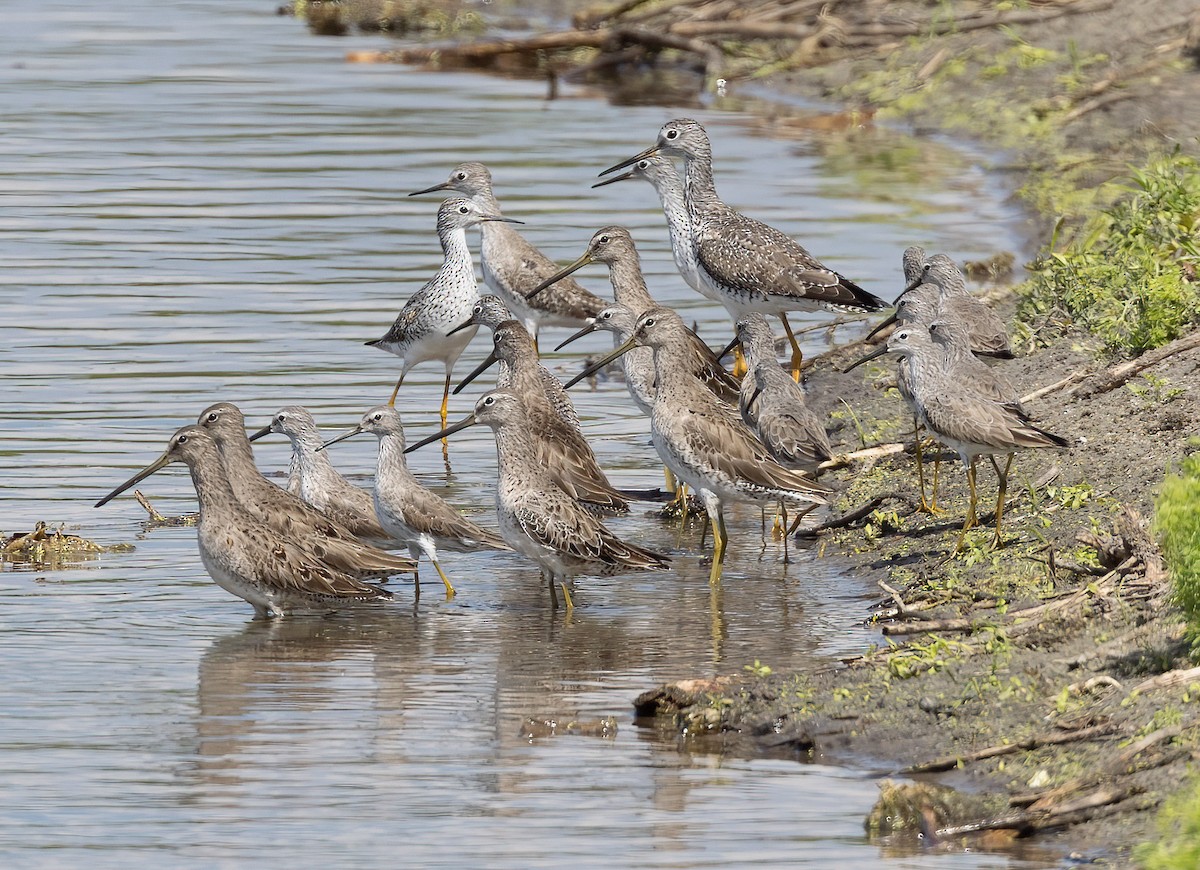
614,247
703,440
419,333
318,482
512,266
490,311
285,513
277,573
537,517
410,512
755,266
966,418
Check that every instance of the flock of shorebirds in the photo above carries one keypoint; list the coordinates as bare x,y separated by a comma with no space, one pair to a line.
745,435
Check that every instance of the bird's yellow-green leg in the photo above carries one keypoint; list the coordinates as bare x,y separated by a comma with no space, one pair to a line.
681,492
536,352
740,366
937,466
567,597
972,520
396,392
797,354
783,528
445,580
719,541
997,541
553,591
445,401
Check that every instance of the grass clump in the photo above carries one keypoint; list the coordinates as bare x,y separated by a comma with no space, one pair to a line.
1131,278
1177,521
1178,844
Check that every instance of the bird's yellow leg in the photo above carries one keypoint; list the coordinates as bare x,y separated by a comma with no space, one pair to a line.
719,541
445,580
783,528
567,597
553,591
396,392
445,401
683,505
972,520
538,353
740,366
997,541
797,354
937,465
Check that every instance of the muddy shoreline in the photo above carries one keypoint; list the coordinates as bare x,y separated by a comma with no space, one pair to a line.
1029,677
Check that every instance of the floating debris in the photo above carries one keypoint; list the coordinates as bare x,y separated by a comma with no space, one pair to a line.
48,547
551,726
156,519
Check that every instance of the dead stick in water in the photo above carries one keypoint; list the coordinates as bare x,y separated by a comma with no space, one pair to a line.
949,762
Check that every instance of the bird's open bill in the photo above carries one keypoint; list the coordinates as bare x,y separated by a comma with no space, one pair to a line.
587,330
261,433
445,433
560,274
649,152
875,354
357,430
162,461
615,178
602,362
891,318
478,370
468,322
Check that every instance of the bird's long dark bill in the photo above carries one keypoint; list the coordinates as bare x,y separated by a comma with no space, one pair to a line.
559,275
445,433
357,430
601,363
479,369
615,178
162,461
729,347
460,327
445,185
500,219
913,284
875,354
753,396
587,330
649,152
891,318
261,433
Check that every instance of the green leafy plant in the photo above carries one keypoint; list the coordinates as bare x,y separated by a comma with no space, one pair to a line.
1177,521
1178,844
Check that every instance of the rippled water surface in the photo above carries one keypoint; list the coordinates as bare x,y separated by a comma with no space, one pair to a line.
201,201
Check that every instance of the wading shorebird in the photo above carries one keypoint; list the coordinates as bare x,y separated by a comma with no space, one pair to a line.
410,512
755,266
703,440
275,573
537,517
512,266
317,482
284,512
420,332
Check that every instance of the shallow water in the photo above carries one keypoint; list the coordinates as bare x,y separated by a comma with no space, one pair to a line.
202,202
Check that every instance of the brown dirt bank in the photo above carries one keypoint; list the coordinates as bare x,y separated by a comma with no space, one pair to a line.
1028,671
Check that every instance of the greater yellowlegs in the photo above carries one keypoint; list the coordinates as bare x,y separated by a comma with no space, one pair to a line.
318,482
966,419
537,517
512,266
703,440
410,512
419,332
276,573
285,513
755,266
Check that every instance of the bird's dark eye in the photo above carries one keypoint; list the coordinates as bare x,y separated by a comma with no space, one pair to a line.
462,176
607,315
604,240
643,164
462,209
377,417
490,400
213,417
182,439
672,134
651,322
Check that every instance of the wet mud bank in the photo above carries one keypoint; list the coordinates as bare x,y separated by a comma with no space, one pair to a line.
1049,680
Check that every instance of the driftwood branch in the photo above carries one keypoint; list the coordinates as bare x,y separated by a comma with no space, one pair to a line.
1122,373
951,761
1169,680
